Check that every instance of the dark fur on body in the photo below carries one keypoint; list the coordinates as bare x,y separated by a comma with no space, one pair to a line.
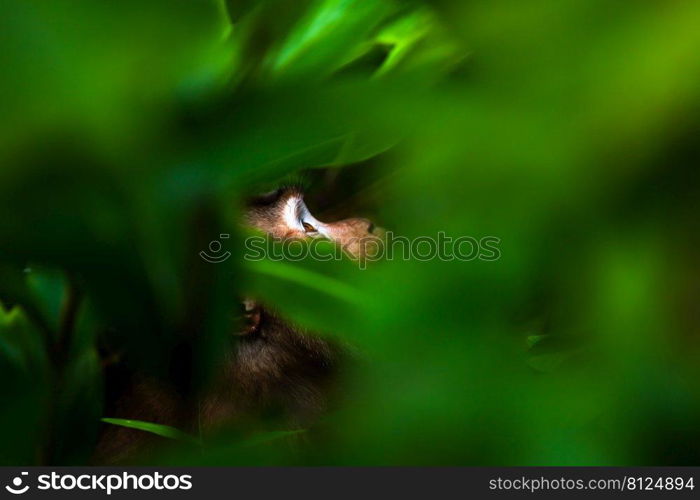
276,372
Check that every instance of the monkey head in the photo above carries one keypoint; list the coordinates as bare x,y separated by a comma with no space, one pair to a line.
283,214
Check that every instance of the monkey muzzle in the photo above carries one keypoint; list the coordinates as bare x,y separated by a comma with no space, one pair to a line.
252,314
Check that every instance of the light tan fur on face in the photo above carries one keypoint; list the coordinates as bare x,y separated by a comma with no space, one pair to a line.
287,215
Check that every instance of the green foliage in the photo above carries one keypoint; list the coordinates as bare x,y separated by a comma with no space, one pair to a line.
132,131
160,430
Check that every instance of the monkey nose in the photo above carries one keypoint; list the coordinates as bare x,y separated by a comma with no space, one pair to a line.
363,225
373,229
377,231
251,317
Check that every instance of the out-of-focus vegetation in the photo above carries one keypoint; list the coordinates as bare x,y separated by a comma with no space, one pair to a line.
569,130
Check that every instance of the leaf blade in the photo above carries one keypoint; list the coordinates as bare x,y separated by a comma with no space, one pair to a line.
165,431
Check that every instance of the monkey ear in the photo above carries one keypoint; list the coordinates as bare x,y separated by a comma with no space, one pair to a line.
252,315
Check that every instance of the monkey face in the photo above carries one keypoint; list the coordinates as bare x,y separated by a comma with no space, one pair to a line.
284,215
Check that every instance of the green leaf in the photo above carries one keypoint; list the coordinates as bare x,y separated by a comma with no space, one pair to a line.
328,35
78,406
268,437
307,278
533,340
158,429
47,289
24,373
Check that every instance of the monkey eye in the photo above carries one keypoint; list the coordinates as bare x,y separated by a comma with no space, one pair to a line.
308,227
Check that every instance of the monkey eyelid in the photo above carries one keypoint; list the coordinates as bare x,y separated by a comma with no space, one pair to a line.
296,216
300,210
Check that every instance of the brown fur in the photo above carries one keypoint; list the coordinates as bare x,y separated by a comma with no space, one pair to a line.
272,369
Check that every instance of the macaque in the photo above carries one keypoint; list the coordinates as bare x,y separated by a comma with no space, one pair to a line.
273,368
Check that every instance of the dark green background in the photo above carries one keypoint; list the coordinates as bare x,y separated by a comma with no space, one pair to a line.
130,130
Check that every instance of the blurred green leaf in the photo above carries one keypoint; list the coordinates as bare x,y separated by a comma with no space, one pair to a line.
158,429
24,370
306,278
328,35
78,407
268,437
